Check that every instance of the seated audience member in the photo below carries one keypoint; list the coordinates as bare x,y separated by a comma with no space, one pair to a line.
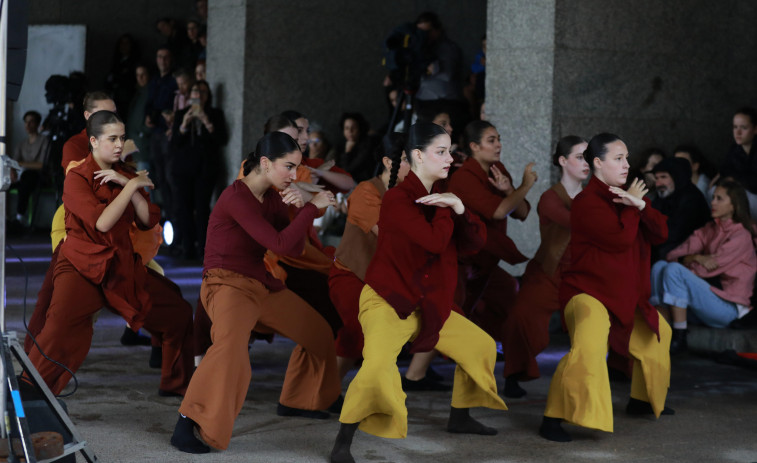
680,200
355,154
740,162
714,280
643,165
527,325
319,146
698,167
30,154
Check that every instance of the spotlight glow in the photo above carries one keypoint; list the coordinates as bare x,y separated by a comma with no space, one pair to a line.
168,233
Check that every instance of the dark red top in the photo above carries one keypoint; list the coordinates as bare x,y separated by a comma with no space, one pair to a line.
610,248
415,264
76,148
471,184
241,229
106,258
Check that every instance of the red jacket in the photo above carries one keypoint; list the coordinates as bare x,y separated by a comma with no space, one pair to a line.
76,148
610,250
106,258
415,264
471,184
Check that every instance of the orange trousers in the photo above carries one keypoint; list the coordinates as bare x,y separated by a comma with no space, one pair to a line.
236,305
67,332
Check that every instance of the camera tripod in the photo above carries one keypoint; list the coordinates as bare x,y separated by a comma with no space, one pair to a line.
13,418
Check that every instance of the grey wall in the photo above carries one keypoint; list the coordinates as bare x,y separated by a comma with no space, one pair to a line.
656,73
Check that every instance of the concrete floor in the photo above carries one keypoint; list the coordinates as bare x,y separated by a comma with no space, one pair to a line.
119,413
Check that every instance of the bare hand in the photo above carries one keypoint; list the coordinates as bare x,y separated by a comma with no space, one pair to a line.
327,165
627,198
292,195
323,199
500,181
110,175
309,187
142,180
443,200
529,176
148,122
638,188
708,262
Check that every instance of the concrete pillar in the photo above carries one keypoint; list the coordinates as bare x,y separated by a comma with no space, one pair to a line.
226,73
519,98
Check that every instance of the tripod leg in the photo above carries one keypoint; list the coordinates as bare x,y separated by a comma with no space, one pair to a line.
18,409
52,402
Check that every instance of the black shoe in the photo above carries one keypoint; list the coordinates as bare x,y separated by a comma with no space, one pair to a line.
424,384
164,393
551,429
156,357
512,389
678,343
434,375
184,439
336,407
131,338
283,410
638,407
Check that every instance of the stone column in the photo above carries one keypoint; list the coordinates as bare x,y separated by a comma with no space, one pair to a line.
519,98
226,73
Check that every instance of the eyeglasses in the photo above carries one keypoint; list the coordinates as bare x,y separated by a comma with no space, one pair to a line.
314,140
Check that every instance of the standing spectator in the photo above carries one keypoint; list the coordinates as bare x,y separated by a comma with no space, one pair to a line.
192,47
741,161
135,123
184,82
121,79
200,71
30,154
198,134
202,12
160,95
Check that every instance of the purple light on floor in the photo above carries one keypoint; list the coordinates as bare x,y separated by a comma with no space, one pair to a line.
32,246
27,260
187,281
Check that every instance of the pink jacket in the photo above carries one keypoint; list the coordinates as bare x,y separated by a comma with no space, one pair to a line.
733,249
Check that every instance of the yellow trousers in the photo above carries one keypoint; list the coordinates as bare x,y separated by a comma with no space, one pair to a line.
580,389
375,398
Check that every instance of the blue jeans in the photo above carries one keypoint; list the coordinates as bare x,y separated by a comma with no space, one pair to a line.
675,285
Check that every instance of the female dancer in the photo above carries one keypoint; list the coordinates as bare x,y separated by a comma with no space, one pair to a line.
723,249
351,261
526,330
240,295
408,297
97,266
485,187
606,291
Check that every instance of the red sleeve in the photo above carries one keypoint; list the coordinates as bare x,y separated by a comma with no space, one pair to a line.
154,213
475,195
654,224
552,209
400,213
80,200
289,241
599,221
470,233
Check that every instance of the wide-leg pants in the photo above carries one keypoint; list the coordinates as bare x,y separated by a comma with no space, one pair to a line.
236,305
375,398
580,388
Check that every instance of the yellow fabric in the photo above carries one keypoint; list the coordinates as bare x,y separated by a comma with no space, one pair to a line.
580,388
58,226
375,397
155,266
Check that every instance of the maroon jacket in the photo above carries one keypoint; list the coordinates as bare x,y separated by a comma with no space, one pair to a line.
415,264
610,249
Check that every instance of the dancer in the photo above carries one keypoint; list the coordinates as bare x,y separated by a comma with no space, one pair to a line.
526,329
408,297
97,266
351,261
240,295
606,291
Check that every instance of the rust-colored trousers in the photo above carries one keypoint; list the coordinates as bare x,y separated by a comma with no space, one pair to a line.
67,332
345,288
526,329
236,305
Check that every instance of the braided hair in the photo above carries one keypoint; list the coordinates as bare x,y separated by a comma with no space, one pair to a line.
393,149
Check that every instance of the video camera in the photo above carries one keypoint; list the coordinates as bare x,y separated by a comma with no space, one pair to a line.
404,56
